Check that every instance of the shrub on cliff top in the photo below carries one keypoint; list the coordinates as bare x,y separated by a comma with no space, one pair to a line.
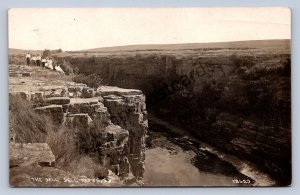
91,80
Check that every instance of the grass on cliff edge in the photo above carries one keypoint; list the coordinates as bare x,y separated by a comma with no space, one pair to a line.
31,127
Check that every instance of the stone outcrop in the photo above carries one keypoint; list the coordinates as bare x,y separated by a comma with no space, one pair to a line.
58,100
30,154
21,71
118,117
110,123
33,165
56,112
128,109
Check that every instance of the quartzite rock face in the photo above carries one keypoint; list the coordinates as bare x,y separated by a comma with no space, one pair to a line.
55,111
110,120
117,117
127,109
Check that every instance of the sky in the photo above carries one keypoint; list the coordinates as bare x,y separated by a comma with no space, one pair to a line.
86,28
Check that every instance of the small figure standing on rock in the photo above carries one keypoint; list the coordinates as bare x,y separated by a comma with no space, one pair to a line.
33,60
43,62
28,56
38,60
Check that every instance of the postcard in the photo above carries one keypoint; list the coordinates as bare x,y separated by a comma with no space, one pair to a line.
150,97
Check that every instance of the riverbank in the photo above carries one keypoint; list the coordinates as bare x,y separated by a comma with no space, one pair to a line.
174,158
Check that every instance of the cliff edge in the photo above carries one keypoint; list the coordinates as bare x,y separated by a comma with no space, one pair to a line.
109,123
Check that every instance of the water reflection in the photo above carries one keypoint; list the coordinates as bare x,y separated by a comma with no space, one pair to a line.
169,168
174,160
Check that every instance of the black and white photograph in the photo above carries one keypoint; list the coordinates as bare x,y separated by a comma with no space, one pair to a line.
150,97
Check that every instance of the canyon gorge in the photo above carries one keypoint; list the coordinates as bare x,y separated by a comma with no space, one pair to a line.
226,109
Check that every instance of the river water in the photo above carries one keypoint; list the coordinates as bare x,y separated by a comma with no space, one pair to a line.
176,160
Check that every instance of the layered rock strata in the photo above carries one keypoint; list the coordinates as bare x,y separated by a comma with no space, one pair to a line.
110,123
128,109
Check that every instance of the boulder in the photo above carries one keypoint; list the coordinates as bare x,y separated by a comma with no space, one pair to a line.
81,121
30,154
55,111
87,92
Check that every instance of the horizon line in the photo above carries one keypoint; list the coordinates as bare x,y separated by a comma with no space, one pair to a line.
156,44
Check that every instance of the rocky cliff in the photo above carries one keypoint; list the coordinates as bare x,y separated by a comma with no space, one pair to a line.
110,123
